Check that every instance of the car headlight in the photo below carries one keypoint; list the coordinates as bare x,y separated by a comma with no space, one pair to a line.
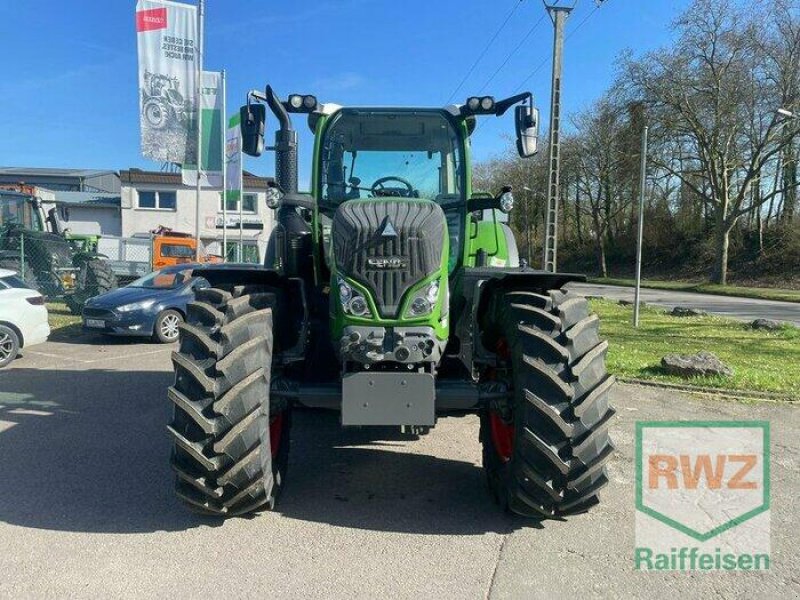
424,300
144,304
352,301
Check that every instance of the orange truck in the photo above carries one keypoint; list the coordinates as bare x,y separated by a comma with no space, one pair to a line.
133,257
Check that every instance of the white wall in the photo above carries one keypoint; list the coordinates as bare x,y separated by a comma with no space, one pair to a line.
142,220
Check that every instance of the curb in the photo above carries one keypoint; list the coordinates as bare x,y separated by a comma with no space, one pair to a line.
736,394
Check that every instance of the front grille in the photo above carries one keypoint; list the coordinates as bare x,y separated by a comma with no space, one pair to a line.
98,313
416,249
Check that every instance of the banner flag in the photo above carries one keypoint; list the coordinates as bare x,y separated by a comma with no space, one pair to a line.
166,34
233,160
211,144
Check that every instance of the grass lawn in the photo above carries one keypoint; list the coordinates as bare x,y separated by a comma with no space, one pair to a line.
708,288
763,361
62,321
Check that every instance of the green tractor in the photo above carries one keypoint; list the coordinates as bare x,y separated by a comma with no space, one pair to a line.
391,294
35,245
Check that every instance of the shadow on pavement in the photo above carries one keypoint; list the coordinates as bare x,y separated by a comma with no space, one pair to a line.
88,451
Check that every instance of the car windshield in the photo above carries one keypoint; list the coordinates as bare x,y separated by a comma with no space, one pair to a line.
12,281
395,153
163,280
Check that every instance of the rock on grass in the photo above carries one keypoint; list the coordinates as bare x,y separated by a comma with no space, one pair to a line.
693,365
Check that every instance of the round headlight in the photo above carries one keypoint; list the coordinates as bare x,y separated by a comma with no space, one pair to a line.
433,292
295,101
420,306
473,103
358,306
487,103
507,202
309,102
274,196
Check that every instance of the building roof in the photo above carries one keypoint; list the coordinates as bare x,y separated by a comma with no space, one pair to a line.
134,176
87,199
47,172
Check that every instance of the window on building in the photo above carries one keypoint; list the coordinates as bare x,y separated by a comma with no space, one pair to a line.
249,204
247,253
157,200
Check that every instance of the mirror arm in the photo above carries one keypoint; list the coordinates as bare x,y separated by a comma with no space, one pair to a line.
503,105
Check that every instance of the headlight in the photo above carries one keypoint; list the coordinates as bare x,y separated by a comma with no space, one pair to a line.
358,306
345,292
352,301
424,301
274,196
144,304
507,202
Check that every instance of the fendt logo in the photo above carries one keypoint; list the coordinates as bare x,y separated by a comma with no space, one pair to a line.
151,19
702,495
392,262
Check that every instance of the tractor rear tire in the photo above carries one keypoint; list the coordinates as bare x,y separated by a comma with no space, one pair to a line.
14,264
545,452
95,278
231,448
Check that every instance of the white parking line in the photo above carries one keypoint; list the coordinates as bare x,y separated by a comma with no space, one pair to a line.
97,360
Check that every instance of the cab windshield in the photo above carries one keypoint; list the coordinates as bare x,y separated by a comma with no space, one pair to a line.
391,153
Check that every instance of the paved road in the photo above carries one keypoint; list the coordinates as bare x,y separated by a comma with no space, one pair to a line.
86,505
746,309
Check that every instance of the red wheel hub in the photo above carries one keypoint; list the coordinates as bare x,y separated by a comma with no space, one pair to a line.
502,436
275,431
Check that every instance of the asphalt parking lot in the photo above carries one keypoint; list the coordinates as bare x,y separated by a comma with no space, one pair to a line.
87,509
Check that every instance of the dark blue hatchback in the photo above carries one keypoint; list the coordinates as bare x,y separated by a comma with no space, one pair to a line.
153,306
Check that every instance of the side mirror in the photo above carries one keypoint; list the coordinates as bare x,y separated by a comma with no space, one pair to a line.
526,119
253,122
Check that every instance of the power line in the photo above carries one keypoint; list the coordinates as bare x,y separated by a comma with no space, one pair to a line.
512,53
485,50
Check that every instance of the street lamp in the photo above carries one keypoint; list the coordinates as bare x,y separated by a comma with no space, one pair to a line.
787,113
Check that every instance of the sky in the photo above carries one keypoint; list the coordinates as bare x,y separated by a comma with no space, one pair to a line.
68,95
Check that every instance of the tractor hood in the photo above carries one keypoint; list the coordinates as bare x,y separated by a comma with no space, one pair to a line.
388,245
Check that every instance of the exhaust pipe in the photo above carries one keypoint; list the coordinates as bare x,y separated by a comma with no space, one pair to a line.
285,145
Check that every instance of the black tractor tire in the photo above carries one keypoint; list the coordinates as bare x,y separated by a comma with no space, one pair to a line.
231,447
167,326
9,345
95,278
156,114
545,452
15,264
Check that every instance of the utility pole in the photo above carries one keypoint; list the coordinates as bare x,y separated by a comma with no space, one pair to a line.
199,120
642,185
558,14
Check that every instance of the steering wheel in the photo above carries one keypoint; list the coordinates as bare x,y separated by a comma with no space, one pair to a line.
379,189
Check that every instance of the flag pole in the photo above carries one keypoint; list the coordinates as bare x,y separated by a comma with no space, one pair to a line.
224,167
199,120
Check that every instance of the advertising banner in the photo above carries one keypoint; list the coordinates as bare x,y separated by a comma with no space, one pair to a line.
211,99
166,35
233,161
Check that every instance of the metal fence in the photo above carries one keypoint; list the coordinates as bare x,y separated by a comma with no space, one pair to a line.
56,267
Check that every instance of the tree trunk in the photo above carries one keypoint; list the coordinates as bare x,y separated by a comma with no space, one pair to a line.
723,236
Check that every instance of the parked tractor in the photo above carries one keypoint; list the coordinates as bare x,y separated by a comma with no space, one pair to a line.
391,294
35,245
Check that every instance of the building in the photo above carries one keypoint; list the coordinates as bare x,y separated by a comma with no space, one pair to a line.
89,212
149,199
68,180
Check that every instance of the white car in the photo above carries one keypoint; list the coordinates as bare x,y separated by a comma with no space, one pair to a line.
23,317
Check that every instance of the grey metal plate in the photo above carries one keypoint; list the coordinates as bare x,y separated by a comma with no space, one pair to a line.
388,399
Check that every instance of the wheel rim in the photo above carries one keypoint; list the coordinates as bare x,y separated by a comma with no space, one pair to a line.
169,326
6,346
275,431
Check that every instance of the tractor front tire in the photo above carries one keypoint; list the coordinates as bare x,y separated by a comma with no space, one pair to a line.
231,448
545,451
